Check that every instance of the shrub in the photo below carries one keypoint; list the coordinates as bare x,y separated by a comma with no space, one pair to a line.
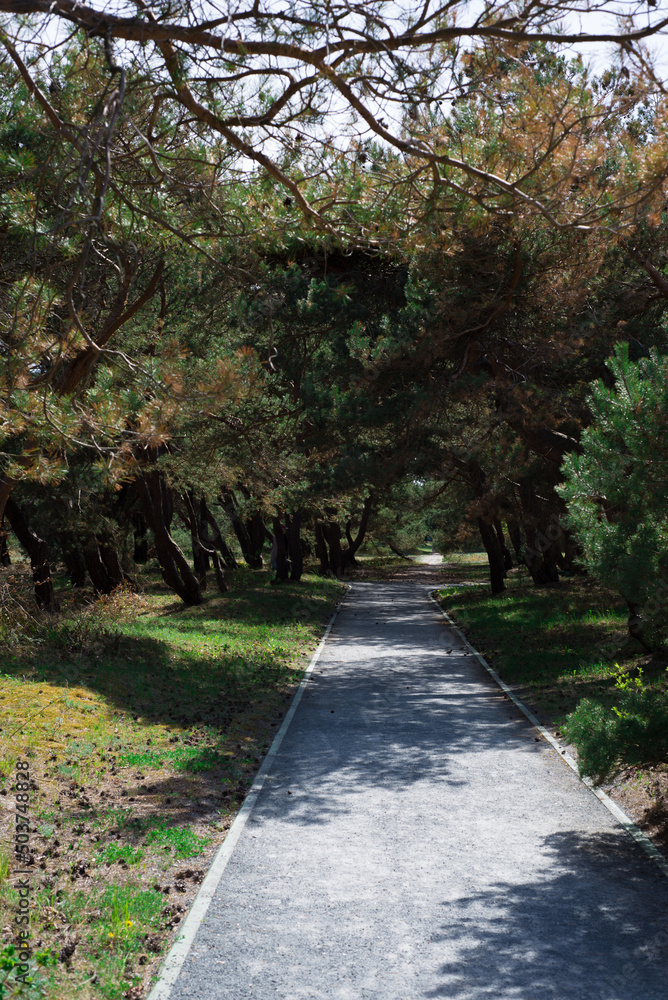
633,733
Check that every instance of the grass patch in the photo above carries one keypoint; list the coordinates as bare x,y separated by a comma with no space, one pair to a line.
184,842
143,723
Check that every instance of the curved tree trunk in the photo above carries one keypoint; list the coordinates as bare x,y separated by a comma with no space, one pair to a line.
249,547
192,522
515,538
216,539
175,568
354,543
104,565
497,569
507,558
38,552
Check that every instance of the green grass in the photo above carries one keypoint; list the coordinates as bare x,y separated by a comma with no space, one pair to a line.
120,852
184,842
467,559
565,648
115,923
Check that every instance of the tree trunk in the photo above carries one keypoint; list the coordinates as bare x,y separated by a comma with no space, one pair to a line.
398,552
175,568
140,554
75,564
507,558
515,538
112,562
540,553
321,548
192,521
295,545
354,544
202,531
5,559
258,534
282,569
541,560
635,623
333,536
218,542
221,582
166,503
497,569
97,571
203,546
571,551
38,552
251,555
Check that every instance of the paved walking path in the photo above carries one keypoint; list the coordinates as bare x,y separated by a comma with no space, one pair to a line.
414,841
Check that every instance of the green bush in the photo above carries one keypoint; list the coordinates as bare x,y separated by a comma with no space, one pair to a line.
633,733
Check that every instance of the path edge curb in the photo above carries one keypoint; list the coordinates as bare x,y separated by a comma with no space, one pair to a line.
177,954
631,828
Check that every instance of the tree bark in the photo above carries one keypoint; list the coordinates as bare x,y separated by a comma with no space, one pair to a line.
174,566
490,541
38,552
540,553
96,568
282,570
354,544
497,569
250,552
192,521
202,544
507,558
140,554
258,534
218,542
295,545
112,562
75,564
202,531
515,538
5,559
333,536
321,547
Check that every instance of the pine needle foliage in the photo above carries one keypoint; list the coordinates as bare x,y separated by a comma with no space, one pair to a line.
615,489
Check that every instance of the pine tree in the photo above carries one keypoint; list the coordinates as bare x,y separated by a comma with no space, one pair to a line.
616,489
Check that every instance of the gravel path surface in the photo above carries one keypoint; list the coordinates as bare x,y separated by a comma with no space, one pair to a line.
415,840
